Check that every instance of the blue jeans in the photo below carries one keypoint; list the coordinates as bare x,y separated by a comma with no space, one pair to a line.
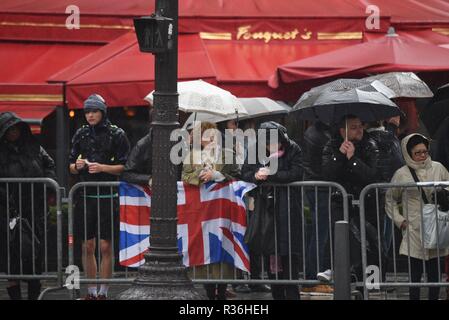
323,232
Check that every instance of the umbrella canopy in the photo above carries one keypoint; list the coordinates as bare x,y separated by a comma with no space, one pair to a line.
309,98
259,107
404,84
254,107
201,96
386,54
331,106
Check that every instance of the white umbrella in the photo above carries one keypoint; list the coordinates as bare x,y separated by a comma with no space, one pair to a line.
259,107
200,96
404,84
254,107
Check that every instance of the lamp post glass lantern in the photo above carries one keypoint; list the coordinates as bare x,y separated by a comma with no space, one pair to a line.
163,276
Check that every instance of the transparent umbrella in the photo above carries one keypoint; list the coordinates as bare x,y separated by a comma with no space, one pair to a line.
403,84
254,107
201,96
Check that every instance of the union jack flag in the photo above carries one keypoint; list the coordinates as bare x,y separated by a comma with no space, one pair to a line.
211,223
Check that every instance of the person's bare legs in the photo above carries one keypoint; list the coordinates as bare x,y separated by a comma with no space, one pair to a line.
105,265
90,264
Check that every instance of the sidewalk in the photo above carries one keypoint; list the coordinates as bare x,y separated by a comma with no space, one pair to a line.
64,294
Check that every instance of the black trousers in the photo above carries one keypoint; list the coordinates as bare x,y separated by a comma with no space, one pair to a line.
416,266
282,291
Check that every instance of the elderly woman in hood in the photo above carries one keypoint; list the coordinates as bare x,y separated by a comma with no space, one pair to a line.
415,149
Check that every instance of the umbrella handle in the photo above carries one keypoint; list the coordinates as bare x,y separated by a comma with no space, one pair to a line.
346,129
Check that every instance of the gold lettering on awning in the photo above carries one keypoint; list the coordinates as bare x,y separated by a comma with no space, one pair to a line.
340,35
244,33
443,31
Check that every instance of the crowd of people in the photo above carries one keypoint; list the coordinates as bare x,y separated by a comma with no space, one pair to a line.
351,153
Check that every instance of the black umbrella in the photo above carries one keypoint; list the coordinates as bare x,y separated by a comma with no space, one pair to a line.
365,102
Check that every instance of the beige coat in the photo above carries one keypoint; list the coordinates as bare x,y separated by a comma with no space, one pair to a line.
214,160
411,202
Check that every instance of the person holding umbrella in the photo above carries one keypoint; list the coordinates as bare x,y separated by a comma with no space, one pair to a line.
350,158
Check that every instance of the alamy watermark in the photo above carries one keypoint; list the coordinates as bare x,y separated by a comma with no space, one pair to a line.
372,22
73,20
72,282
250,146
372,277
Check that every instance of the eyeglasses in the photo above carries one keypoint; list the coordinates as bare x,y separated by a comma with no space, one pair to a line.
421,153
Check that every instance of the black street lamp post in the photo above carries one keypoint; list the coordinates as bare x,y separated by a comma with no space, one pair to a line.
163,275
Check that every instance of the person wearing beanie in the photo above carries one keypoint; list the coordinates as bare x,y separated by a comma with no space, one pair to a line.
415,148
99,153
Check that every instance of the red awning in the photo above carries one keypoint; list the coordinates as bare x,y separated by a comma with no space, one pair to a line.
31,114
409,13
244,68
389,53
420,35
103,22
35,62
127,76
26,67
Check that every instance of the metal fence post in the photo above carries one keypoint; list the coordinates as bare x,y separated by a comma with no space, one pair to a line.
342,274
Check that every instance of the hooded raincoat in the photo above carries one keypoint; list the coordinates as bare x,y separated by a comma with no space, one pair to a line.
410,199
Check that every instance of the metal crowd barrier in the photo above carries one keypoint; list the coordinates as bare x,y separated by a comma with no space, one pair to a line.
79,198
26,218
294,192
384,269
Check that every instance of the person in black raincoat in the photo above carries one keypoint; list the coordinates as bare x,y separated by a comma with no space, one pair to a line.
274,204
315,138
21,156
390,159
139,166
350,158
99,153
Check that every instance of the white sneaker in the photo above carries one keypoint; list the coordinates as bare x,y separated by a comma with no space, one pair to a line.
325,276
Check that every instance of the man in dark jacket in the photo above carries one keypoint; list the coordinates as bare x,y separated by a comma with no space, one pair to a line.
138,167
99,152
21,156
350,158
289,169
315,138
390,160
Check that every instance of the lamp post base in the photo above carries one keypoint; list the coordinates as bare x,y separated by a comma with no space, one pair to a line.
162,277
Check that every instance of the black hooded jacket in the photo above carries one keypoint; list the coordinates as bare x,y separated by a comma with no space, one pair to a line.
315,138
138,167
104,143
25,157
353,174
390,154
289,170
